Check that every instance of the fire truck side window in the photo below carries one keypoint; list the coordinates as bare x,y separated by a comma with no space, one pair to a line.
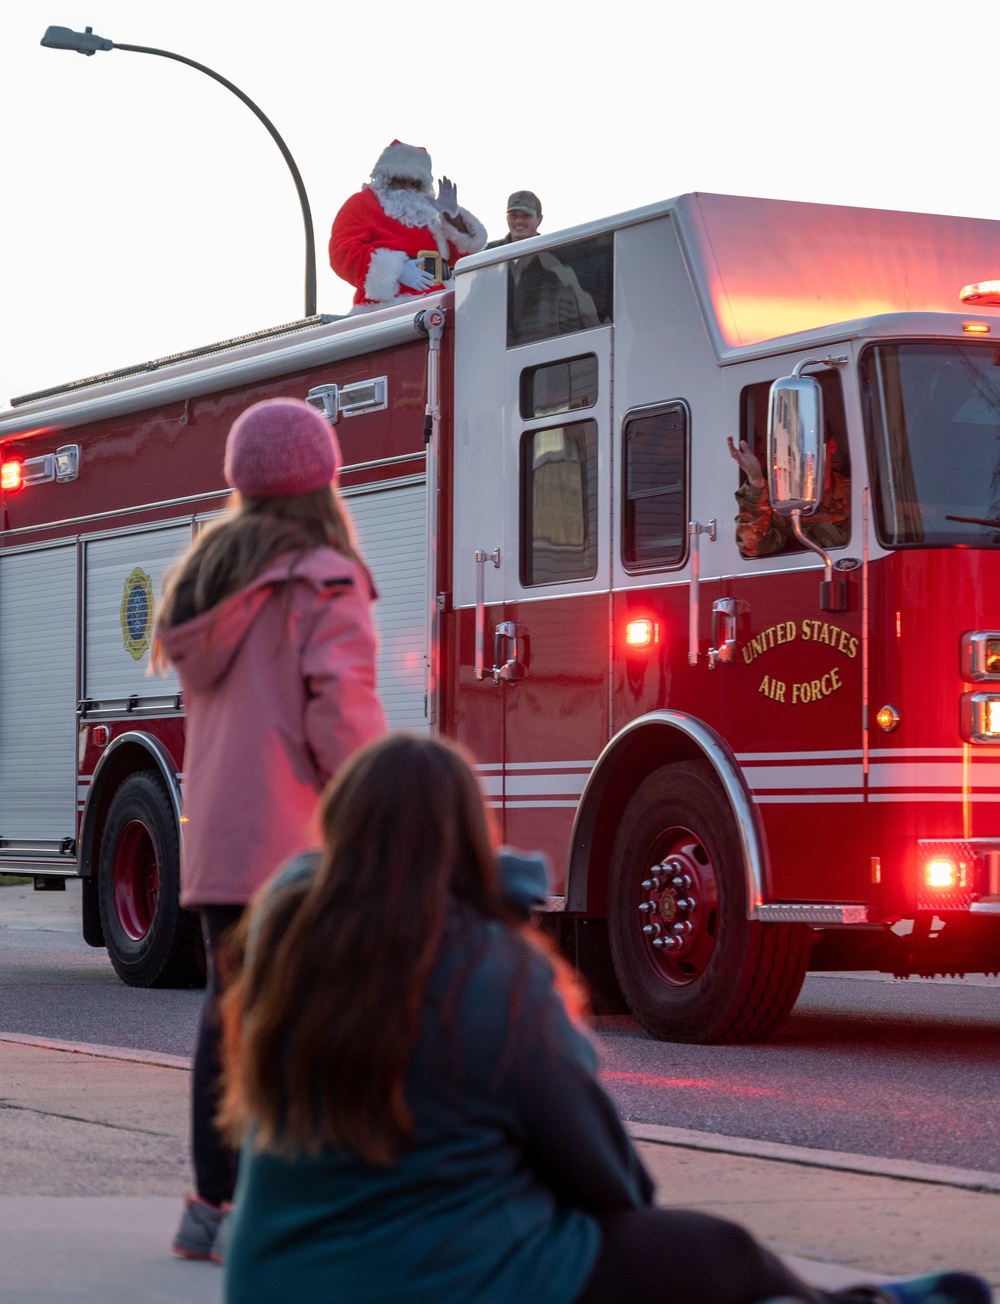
563,386
655,489
559,504
560,291
830,526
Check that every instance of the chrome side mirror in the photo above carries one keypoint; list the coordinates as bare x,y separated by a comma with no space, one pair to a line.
796,448
796,466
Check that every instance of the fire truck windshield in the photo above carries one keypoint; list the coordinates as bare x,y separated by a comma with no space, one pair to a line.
932,421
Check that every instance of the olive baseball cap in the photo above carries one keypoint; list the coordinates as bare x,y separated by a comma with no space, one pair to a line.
524,201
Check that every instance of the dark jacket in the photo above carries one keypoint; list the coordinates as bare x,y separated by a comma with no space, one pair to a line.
516,1148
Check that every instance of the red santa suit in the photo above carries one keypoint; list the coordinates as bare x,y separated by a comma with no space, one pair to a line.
379,229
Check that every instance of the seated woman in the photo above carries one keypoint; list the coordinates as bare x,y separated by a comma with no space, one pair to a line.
407,1058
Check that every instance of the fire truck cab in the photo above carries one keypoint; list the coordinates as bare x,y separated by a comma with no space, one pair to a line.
748,747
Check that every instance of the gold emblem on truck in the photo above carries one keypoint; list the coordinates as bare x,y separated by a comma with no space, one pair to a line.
137,612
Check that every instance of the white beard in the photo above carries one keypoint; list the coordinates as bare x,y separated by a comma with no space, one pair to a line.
408,207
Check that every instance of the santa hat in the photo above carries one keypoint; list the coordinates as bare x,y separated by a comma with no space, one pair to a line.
410,161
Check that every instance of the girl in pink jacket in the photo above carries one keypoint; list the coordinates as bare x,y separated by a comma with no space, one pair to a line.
267,621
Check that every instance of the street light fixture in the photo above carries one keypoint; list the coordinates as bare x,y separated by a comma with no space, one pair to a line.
85,42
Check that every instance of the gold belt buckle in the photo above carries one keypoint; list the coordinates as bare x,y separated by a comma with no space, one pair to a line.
435,256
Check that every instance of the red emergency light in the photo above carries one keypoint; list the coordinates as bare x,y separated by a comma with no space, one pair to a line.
640,633
986,293
11,477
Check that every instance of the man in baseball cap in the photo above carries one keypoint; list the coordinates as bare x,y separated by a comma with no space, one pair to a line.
524,217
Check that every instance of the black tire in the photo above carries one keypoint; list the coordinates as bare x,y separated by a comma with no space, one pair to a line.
691,966
152,942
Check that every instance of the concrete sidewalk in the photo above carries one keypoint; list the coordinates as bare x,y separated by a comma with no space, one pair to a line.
95,1167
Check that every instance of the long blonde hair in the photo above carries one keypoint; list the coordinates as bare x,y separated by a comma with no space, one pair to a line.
232,551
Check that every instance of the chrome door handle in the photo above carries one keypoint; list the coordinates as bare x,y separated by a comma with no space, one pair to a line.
724,612
507,667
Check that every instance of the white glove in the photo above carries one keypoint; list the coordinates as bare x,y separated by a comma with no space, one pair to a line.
447,198
413,276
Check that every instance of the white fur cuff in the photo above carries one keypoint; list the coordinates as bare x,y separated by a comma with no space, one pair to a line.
474,241
382,281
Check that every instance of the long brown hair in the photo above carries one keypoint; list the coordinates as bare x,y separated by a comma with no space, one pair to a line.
231,552
320,1024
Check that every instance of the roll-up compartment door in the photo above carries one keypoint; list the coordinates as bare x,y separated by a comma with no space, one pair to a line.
38,597
391,526
124,582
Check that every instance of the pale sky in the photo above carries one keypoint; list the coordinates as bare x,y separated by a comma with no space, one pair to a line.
146,210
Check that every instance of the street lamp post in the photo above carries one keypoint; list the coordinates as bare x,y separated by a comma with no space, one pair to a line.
64,38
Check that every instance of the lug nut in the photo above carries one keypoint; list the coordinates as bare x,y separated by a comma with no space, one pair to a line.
682,881
684,928
685,903
651,884
646,906
652,930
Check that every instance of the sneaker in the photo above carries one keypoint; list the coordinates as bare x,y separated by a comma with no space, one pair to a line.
198,1229
221,1242
938,1288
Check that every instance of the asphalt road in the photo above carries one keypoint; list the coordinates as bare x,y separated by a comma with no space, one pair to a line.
905,1070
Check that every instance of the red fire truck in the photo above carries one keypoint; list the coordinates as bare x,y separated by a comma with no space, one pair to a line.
743,758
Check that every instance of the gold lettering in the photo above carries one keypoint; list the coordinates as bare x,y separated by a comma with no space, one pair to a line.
824,634
854,648
835,676
826,691
842,642
779,693
796,693
747,654
765,686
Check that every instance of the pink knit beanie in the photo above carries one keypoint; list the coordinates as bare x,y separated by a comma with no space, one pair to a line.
280,446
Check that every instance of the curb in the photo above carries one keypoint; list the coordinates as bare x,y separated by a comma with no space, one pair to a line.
907,1170
158,1059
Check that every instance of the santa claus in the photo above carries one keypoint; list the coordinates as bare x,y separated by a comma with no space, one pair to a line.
395,239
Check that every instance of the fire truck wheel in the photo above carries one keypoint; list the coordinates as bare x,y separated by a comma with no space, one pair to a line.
152,942
691,966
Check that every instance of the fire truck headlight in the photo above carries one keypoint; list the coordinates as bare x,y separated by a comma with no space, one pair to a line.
980,655
980,717
641,633
941,874
10,477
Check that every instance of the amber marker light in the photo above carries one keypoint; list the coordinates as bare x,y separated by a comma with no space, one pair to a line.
887,718
10,477
640,633
985,292
941,874
976,327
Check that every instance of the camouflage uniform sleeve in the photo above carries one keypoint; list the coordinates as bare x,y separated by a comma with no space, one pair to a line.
830,526
759,531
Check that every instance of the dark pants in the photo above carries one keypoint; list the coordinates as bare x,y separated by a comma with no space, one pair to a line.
215,1163
667,1256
